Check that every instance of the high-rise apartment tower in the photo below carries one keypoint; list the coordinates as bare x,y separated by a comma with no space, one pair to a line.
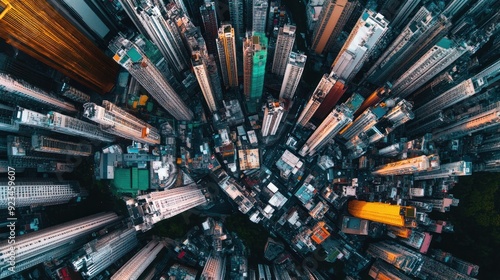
284,45
37,29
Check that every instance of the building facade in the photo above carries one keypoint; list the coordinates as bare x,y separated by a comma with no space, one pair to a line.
115,120
210,25
139,262
254,69
140,58
319,94
333,124
100,253
226,48
50,243
58,122
293,72
334,14
33,193
360,44
273,113
53,40
259,16
284,46
147,210
18,90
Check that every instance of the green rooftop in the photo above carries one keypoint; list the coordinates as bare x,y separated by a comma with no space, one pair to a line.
445,43
134,55
131,180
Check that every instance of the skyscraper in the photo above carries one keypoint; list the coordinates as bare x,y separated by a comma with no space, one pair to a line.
273,113
399,256
284,45
215,267
463,90
41,192
334,122
319,94
200,61
37,29
210,25
52,145
236,16
14,90
459,168
425,25
132,269
332,19
403,12
50,243
141,59
146,210
293,72
114,120
254,69
359,45
259,16
226,47
405,166
103,251
203,77
160,28
452,96
478,119
332,98
396,116
58,122
364,122
444,53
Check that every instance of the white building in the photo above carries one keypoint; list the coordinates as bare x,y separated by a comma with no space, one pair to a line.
116,121
49,243
100,253
289,164
273,113
331,126
359,45
293,73
160,29
444,53
146,210
319,94
226,48
23,90
132,269
132,55
61,123
259,16
41,193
